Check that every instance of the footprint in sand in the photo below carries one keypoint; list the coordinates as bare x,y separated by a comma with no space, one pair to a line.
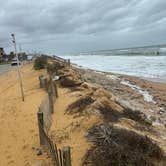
11,162
25,146
32,130
8,157
2,121
9,146
13,134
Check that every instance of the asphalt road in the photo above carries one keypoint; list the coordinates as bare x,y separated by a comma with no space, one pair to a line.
5,68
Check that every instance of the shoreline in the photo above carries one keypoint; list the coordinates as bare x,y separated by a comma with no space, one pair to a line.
155,79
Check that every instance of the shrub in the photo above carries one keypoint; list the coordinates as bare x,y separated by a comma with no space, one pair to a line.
40,62
79,105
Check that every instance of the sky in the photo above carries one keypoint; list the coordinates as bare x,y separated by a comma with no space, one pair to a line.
69,26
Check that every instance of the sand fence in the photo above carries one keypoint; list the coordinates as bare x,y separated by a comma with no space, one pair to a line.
60,157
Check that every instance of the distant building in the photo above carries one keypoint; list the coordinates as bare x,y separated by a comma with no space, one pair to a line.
162,50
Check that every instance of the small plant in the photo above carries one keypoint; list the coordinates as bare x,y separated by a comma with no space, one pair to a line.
68,82
79,105
40,62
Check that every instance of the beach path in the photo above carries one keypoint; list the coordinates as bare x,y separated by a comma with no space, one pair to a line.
18,122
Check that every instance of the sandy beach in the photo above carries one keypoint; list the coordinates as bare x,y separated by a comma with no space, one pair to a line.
18,121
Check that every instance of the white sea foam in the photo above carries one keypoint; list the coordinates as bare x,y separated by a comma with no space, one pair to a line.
147,97
137,65
113,77
99,72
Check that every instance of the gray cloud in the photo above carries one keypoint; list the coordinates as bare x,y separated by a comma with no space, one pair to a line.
72,25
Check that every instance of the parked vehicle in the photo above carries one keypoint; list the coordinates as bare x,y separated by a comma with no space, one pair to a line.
14,62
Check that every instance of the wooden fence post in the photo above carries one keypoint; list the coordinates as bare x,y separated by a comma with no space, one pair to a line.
40,81
66,156
56,89
43,82
53,89
51,100
41,126
60,157
56,155
68,62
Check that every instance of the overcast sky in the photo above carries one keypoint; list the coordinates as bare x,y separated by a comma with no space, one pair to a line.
57,26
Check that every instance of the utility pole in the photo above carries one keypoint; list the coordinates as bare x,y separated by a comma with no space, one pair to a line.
18,66
20,48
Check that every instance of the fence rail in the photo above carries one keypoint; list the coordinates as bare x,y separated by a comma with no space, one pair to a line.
59,59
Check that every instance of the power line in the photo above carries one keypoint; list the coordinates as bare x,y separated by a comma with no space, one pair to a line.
35,41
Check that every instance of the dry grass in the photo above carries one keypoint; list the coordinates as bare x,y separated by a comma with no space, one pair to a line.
120,147
80,105
67,82
134,115
109,113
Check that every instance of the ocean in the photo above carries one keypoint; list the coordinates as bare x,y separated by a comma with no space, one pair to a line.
146,66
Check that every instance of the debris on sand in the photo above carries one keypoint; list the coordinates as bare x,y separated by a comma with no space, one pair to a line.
120,147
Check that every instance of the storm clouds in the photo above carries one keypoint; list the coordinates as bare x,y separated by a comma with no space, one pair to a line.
82,25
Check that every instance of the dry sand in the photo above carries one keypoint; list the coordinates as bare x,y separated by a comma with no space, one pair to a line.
18,122
70,130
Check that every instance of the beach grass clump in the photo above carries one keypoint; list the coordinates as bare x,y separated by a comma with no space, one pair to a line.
40,62
56,67
137,116
115,146
68,82
79,105
109,113
134,115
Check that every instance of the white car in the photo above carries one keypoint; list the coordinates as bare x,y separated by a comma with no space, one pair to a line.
14,62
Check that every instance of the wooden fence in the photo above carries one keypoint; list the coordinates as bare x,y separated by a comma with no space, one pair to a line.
59,157
59,59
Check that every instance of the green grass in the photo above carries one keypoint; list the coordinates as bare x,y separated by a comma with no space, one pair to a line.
4,63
